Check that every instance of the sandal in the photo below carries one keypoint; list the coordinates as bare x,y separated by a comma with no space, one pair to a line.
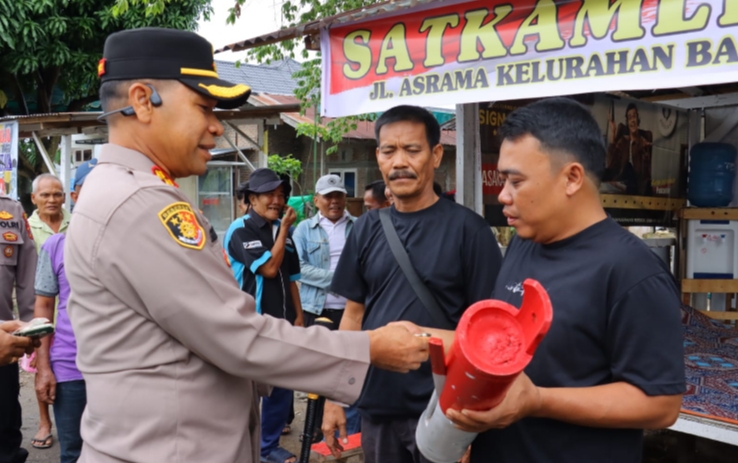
286,430
278,455
44,443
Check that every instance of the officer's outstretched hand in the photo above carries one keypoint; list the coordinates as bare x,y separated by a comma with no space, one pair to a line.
396,348
13,347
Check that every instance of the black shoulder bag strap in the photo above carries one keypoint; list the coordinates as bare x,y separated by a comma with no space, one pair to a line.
422,291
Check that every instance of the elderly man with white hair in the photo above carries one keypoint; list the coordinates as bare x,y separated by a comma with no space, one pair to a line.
49,217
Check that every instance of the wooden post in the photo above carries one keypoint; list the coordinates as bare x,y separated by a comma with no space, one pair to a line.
263,143
65,169
468,158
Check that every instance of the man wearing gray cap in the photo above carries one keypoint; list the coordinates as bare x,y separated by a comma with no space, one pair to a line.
169,346
319,242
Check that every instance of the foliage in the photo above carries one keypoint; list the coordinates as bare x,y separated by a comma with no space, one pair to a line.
285,165
295,12
45,44
293,167
151,7
27,150
49,50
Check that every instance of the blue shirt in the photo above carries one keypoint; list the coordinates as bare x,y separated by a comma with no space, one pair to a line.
313,248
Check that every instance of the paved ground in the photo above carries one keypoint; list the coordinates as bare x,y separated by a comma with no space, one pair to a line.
30,425
660,447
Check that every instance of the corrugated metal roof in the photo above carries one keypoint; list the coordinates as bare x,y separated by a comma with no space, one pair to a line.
72,123
364,129
275,78
313,27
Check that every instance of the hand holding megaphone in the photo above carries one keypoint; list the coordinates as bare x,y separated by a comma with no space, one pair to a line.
523,399
483,372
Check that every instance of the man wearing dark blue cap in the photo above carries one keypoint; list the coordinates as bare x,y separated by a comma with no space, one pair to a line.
263,247
170,348
58,381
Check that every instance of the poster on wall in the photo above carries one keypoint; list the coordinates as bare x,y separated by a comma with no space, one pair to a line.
9,159
646,154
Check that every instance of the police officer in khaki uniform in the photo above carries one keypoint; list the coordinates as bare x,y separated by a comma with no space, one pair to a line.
17,271
170,347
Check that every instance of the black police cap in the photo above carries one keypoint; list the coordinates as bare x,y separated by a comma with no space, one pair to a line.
158,53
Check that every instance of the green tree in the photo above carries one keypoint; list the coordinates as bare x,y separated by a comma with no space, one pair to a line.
286,165
295,12
49,50
56,44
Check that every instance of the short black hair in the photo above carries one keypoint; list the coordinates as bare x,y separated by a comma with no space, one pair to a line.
561,125
377,188
242,191
437,189
111,91
411,114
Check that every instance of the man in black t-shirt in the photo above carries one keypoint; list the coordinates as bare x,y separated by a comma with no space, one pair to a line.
453,251
612,363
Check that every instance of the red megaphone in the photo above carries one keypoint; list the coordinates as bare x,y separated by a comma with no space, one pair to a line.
494,343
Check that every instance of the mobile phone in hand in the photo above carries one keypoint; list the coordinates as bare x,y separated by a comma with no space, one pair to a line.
37,328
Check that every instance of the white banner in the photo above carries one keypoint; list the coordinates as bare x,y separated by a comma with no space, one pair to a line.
455,52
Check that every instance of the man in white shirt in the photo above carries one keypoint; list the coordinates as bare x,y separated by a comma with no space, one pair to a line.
319,241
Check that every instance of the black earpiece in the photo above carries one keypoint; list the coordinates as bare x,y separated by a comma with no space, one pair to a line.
155,98
128,110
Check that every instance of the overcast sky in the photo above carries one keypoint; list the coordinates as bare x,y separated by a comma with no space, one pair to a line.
258,17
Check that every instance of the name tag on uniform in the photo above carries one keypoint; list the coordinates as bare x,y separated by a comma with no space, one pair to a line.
289,241
253,244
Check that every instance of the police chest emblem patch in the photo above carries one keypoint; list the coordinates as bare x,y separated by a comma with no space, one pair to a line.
10,237
5,215
180,221
8,251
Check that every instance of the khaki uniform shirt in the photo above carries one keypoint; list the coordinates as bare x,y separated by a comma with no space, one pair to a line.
17,261
169,346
